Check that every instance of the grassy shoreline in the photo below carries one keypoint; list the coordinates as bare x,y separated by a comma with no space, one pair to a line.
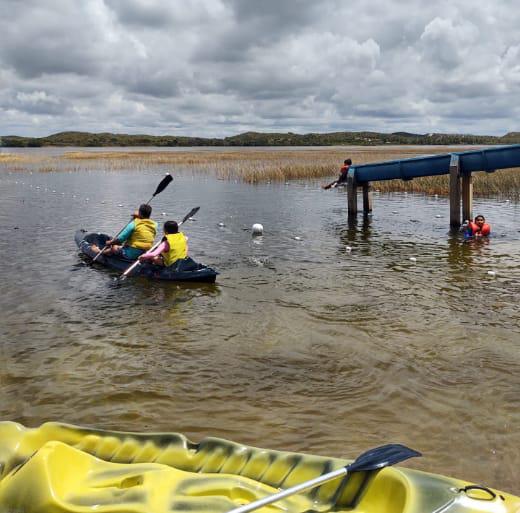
265,165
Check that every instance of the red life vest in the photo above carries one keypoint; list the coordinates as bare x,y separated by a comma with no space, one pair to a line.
476,230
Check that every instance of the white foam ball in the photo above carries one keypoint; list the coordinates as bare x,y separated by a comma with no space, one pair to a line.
221,224
119,205
164,213
257,229
413,259
297,238
491,273
438,216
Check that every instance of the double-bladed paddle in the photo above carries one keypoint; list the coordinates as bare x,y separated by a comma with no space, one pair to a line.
374,459
162,185
189,215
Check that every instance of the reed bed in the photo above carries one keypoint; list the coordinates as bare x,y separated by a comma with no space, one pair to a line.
263,165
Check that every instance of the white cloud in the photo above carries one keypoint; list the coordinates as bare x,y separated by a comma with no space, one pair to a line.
215,67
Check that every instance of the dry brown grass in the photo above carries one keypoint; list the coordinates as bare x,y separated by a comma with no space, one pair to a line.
249,165
253,165
6,158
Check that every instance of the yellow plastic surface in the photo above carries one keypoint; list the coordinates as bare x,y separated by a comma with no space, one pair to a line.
60,468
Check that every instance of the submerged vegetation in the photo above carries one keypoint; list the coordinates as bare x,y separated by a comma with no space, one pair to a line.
254,165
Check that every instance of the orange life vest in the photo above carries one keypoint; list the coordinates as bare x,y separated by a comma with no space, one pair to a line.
476,230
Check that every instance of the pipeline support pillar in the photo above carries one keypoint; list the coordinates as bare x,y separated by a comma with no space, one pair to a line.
351,193
467,196
455,192
367,198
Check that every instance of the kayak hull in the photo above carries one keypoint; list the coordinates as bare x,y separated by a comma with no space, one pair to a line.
63,468
186,270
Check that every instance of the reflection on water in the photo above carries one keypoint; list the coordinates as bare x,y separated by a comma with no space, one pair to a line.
321,336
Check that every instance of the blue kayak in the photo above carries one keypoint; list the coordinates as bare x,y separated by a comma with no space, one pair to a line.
185,269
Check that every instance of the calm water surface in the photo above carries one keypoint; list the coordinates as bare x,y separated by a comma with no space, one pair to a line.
329,344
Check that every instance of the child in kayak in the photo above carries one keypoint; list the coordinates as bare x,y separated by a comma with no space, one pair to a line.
174,246
136,238
342,175
478,228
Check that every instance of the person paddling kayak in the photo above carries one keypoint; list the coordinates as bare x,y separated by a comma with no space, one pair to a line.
136,238
342,175
173,247
478,228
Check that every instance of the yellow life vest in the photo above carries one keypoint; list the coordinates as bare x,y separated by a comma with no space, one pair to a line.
178,248
143,235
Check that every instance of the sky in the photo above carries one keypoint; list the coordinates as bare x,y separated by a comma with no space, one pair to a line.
214,68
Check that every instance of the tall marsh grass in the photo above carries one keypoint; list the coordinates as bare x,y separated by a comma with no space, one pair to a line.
253,165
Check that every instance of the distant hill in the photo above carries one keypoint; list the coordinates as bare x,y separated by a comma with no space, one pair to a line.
255,139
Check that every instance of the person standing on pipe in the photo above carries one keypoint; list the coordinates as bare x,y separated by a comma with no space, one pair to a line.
342,175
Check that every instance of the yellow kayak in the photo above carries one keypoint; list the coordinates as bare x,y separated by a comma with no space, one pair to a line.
59,468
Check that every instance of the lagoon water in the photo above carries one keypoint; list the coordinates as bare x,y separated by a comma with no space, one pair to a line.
322,336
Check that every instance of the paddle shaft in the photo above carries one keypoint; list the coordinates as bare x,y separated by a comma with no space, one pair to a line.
307,485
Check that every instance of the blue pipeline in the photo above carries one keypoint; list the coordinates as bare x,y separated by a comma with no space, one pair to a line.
488,159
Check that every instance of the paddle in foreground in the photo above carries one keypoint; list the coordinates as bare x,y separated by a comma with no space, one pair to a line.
374,459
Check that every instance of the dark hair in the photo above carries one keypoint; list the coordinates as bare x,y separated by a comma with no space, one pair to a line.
480,215
171,227
347,162
145,211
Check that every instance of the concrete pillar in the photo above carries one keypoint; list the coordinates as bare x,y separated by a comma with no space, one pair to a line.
455,221
351,193
467,196
367,198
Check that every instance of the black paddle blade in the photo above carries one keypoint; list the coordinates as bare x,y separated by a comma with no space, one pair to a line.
383,456
191,213
164,183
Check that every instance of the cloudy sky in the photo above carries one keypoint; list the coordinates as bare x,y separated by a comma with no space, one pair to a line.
221,67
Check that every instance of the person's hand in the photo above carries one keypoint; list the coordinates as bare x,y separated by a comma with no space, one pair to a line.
135,215
109,242
141,258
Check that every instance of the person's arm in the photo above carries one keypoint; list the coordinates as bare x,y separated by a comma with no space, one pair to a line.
163,247
125,234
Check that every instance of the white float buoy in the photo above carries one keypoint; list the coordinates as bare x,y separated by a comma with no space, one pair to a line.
348,249
438,216
257,229
297,238
394,211
491,273
436,196
413,259
221,224
164,213
119,205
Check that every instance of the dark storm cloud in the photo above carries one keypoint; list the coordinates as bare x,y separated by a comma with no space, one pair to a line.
212,67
